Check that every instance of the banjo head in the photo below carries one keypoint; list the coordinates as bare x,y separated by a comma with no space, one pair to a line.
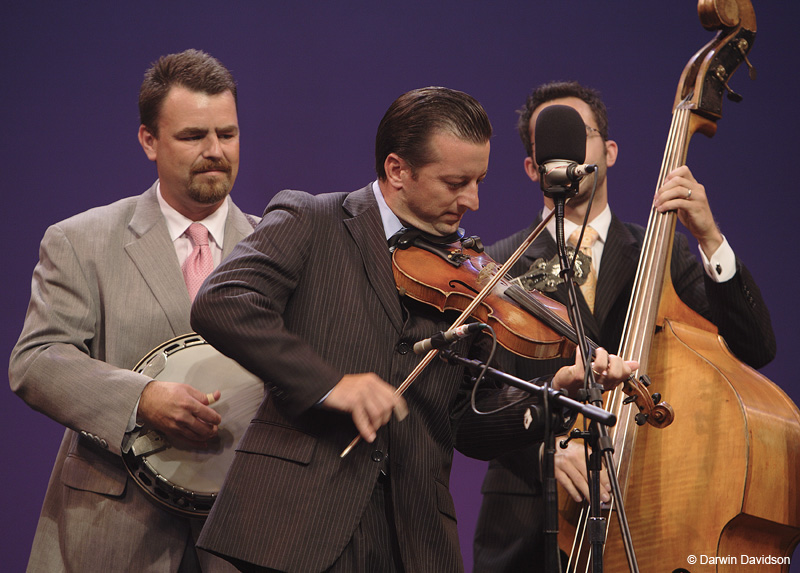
174,474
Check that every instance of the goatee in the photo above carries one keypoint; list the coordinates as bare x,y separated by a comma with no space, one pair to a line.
210,190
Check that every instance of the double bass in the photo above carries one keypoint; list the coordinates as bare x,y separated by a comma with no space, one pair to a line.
717,490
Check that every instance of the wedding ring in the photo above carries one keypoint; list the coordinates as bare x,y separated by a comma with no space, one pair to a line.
211,399
689,194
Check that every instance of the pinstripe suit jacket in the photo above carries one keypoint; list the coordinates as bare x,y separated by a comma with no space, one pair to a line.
309,297
736,307
107,290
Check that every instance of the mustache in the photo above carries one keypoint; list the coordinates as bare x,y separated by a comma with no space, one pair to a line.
212,165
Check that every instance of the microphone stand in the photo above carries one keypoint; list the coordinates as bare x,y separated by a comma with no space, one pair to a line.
553,403
554,397
597,436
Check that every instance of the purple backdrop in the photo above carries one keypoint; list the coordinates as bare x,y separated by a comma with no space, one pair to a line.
315,79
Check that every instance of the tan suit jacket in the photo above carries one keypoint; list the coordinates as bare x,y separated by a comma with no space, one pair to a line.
107,289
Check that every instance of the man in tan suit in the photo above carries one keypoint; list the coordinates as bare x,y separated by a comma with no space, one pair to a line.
108,288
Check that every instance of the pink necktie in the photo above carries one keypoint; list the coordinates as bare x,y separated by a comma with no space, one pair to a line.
589,238
200,263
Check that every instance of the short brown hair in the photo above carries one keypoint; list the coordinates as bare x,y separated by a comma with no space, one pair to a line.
557,90
411,120
192,69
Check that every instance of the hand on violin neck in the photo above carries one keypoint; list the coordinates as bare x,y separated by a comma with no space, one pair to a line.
609,370
369,400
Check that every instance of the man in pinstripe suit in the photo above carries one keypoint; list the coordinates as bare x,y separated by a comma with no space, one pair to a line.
309,304
509,532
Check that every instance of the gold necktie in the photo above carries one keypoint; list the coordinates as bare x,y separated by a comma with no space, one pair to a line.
589,237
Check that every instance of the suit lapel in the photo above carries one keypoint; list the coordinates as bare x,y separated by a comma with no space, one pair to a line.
366,228
620,259
237,227
151,250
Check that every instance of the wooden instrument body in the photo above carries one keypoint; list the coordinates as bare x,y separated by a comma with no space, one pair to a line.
718,485
721,480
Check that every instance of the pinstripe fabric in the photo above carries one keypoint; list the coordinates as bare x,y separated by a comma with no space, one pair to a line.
106,291
307,298
374,543
736,307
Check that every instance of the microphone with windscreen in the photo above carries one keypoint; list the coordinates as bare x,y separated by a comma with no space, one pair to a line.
560,144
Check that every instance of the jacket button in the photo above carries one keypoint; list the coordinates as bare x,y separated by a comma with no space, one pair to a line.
403,348
378,456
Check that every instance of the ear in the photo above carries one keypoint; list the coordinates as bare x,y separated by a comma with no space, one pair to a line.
395,168
531,169
611,152
148,142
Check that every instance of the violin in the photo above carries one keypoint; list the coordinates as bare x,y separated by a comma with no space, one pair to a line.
459,276
526,322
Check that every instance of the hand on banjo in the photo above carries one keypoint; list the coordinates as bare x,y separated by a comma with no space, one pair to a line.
180,412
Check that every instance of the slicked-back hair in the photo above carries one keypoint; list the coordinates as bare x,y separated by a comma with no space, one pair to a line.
192,69
413,118
557,90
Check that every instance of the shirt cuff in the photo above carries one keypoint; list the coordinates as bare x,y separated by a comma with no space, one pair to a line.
721,266
132,425
132,430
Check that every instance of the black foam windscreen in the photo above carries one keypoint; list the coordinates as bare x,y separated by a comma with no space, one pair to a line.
559,134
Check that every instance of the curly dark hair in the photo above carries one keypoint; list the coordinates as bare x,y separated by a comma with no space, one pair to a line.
557,90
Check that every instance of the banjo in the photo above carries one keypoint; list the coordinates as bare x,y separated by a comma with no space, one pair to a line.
184,479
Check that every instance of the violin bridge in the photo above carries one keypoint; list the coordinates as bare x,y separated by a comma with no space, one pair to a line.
486,274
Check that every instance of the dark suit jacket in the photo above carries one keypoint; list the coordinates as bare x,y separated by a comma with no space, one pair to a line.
736,307
309,297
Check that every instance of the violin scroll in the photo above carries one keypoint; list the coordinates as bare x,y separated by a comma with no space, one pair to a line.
652,410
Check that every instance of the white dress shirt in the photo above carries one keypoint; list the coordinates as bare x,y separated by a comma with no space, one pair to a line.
721,266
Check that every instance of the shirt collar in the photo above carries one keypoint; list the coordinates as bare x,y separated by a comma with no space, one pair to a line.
601,223
391,222
177,223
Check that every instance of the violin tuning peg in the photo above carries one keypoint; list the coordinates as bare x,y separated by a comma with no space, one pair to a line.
656,398
629,400
641,419
645,380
